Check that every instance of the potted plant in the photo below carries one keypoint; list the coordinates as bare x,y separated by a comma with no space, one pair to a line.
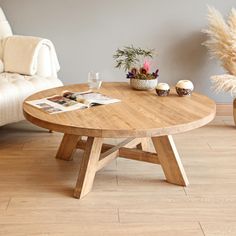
134,62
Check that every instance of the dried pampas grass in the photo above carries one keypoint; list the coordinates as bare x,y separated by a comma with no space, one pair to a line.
222,38
224,83
222,45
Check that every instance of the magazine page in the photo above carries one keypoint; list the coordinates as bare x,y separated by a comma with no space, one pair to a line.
56,104
70,101
90,98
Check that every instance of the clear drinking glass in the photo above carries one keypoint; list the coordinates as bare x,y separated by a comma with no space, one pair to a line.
94,81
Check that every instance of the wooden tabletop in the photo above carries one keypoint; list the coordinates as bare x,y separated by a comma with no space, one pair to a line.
139,114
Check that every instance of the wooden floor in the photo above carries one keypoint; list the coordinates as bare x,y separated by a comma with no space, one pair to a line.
128,198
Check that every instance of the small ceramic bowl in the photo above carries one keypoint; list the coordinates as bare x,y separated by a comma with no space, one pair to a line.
184,88
143,84
163,89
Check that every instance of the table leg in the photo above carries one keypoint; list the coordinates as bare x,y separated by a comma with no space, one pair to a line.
88,167
67,147
170,160
144,145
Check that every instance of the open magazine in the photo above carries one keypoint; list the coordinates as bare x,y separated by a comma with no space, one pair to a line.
69,101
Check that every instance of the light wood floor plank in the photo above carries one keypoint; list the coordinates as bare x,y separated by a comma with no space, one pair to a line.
80,229
128,197
222,229
181,213
54,216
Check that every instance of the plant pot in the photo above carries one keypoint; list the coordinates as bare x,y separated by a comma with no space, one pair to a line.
143,84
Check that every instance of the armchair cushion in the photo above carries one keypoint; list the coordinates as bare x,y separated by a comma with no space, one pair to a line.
14,88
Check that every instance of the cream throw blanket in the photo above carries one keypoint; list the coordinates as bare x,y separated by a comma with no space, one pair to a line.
5,29
20,54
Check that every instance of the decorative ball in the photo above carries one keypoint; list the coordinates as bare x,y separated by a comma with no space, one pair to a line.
184,88
163,89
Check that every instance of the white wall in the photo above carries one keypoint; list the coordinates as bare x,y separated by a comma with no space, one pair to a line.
86,34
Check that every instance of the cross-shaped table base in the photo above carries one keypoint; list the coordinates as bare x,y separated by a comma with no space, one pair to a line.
97,155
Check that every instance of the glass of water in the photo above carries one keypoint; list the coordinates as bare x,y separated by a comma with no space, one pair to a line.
94,81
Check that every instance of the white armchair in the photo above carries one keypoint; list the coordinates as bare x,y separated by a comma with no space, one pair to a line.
14,88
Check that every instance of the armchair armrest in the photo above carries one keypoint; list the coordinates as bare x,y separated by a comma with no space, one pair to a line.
46,67
35,56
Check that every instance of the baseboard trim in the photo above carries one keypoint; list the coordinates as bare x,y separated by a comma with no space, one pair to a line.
224,109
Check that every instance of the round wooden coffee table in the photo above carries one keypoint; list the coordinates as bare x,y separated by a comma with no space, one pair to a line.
139,116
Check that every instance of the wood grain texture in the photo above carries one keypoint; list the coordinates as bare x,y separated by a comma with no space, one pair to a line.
144,145
170,160
128,197
67,147
139,114
88,167
114,151
224,109
128,153
104,229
